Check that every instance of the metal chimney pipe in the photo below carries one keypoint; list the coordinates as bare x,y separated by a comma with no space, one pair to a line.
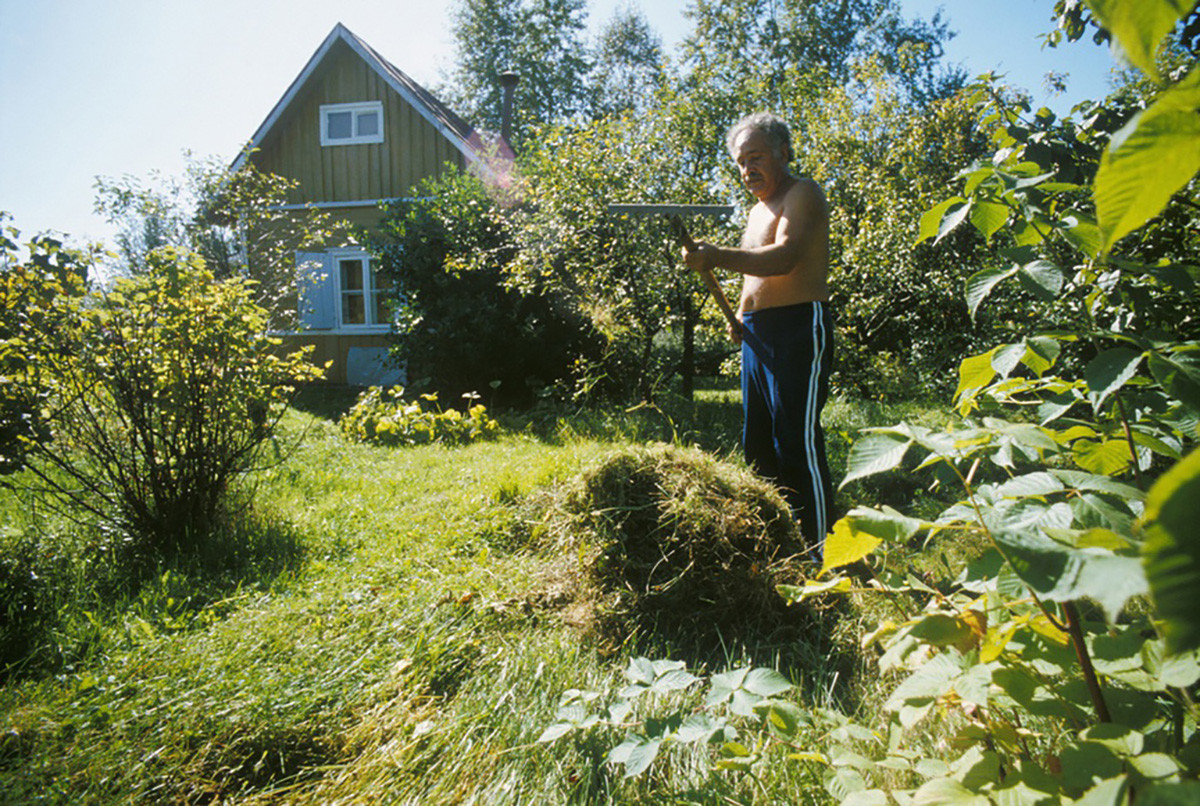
508,83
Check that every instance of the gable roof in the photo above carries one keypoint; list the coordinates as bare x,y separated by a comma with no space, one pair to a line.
451,126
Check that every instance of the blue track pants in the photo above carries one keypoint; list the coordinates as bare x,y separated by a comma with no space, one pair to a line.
787,353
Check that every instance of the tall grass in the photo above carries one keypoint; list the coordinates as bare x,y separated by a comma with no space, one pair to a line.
380,629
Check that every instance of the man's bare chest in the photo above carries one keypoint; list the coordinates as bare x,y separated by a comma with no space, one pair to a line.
761,226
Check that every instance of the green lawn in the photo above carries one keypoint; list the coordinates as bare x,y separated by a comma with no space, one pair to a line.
386,630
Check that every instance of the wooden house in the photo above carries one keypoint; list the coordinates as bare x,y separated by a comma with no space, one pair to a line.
354,131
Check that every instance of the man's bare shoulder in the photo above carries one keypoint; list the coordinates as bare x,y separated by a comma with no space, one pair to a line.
806,196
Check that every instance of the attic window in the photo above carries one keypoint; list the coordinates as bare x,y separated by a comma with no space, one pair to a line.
351,124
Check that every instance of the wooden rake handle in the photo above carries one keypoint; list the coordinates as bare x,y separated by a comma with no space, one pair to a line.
710,281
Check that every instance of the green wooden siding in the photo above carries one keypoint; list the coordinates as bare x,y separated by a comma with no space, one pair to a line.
412,150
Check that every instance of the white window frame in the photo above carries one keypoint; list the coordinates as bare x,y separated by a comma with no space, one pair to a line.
368,290
355,110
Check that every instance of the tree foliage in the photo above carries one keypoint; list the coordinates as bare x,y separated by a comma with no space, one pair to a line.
540,40
628,66
461,326
1075,455
235,221
901,321
622,274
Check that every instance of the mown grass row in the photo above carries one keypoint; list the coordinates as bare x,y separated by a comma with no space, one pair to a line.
391,637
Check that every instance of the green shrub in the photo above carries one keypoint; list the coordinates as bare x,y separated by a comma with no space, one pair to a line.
32,297
384,417
461,323
158,395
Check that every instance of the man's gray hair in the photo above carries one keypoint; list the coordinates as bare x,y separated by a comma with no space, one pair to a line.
776,130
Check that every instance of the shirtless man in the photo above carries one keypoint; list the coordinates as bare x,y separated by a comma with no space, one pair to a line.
786,332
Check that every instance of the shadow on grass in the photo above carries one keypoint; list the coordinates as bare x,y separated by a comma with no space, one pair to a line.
710,420
325,400
67,594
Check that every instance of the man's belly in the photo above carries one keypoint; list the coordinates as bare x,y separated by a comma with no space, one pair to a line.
775,292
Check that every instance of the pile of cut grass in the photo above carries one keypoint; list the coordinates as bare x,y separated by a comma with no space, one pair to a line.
672,541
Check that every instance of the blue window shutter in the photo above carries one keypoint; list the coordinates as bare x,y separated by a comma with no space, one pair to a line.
318,290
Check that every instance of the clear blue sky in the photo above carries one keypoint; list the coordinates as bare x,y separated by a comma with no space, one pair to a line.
115,87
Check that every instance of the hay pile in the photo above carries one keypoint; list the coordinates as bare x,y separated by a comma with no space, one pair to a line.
672,539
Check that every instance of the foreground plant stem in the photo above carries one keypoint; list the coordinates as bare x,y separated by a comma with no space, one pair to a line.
1085,661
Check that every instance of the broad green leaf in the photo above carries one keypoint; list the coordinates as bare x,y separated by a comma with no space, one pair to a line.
1122,740
1171,552
1181,670
1186,793
1007,357
619,710
930,681
846,545
1108,372
981,283
1180,378
1041,354
946,792
1156,445
875,453
1026,234
1042,278
941,629
1098,483
1060,573
1030,181
1140,27
555,732
975,372
640,670
1157,767
1148,160
722,686
974,685
674,680
867,797
637,753
931,220
1106,457
697,728
1038,483
798,593
845,757
976,768
844,782
1025,435
955,215
783,718
766,682
1056,406
1084,235
932,768
885,523
1109,792
988,217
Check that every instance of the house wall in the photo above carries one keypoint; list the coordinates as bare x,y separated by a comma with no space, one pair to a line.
332,176
412,148
337,349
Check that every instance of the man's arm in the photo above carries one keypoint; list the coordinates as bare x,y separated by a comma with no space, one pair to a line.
803,211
